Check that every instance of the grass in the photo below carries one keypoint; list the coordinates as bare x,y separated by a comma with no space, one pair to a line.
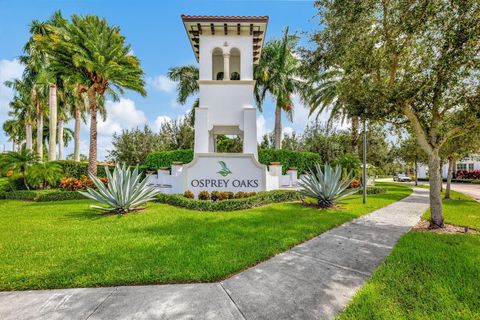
67,244
460,210
427,275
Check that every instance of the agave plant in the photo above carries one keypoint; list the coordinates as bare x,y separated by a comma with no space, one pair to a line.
125,190
325,186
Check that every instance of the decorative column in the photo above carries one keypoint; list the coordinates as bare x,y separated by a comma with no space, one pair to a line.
226,66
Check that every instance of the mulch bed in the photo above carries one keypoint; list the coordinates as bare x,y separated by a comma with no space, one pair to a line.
423,226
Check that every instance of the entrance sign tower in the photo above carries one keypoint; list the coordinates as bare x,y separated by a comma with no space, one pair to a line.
226,48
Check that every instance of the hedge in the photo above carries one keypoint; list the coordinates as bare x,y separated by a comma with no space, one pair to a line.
260,199
34,195
288,158
73,169
60,196
373,190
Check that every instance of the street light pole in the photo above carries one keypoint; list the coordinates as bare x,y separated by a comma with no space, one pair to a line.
364,175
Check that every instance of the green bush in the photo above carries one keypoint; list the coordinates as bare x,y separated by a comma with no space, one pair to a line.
15,182
260,199
73,169
288,158
476,181
157,160
60,196
20,195
373,190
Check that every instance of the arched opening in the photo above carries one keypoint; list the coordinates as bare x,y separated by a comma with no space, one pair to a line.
217,64
234,64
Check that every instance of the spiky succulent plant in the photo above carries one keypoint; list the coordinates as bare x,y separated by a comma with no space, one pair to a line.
325,186
125,190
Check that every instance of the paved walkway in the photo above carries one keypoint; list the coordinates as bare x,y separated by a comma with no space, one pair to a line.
314,280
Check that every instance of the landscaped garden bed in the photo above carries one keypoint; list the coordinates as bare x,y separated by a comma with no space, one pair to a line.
68,244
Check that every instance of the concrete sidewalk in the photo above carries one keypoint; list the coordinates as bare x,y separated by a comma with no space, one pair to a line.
314,280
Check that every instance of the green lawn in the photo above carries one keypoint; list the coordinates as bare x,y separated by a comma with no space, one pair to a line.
67,244
427,276
460,210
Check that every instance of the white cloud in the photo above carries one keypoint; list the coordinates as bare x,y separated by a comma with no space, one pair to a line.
121,115
159,121
261,128
162,83
288,131
9,70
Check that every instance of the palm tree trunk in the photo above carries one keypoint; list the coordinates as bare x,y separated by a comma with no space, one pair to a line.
60,139
451,163
76,147
39,132
355,126
278,127
435,179
92,155
28,135
52,144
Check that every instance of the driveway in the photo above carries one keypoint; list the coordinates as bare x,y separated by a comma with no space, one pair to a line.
473,190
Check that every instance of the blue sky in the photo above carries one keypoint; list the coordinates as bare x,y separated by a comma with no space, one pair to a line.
158,39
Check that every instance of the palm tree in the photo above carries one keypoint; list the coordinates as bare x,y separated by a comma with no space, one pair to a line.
186,78
323,93
278,73
96,55
36,71
22,109
18,161
13,129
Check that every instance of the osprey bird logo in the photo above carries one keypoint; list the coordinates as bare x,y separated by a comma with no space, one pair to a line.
224,171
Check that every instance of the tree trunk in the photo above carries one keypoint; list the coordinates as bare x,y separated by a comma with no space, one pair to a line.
39,133
76,147
28,135
435,179
60,140
13,145
92,155
451,163
355,141
52,143
278,127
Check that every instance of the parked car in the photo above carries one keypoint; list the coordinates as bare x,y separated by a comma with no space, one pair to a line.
401,178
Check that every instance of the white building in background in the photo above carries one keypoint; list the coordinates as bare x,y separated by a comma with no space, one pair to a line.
469,164
226,48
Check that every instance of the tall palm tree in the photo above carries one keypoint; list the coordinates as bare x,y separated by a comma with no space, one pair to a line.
13,129
36,71
278,73
95,54
323,93
22,108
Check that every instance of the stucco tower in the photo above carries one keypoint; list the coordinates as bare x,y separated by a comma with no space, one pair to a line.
226,48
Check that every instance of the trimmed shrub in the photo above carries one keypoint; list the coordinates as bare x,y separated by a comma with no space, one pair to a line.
222,195
188,194
204,195
240,195
260,199
214,195
374,190
288,158
157,160
73,184
251,193
60,196
20,195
